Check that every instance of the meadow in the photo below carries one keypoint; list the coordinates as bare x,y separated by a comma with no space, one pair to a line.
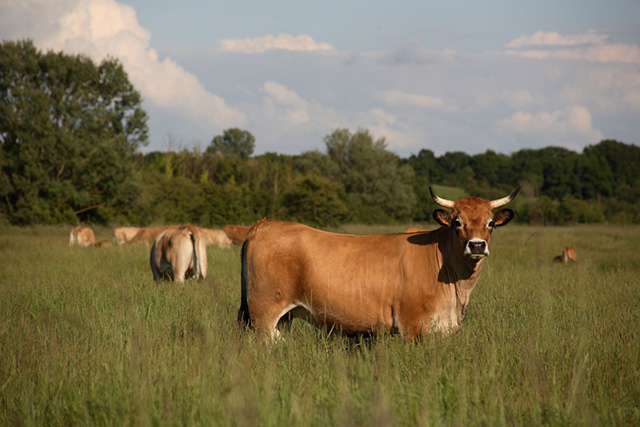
88,338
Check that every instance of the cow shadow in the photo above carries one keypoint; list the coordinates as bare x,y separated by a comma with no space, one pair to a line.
453,268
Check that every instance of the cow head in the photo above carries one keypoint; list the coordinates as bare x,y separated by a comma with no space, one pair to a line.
472,221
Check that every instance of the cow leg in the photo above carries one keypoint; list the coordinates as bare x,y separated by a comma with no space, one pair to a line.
179,273
414,330
182,263
267,320
156,274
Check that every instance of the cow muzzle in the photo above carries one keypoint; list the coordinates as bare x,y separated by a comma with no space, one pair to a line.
476,249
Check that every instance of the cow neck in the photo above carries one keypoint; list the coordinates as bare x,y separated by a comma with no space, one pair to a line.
460,271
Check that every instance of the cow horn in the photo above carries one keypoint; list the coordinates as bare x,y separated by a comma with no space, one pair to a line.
500,202
442,202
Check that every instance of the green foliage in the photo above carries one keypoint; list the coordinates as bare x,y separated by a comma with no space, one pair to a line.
574,211
377,186
313,200
233,142
68,130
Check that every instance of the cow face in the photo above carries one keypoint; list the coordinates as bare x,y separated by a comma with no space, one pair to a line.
472,221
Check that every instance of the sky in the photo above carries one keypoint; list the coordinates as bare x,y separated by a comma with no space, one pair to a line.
443,75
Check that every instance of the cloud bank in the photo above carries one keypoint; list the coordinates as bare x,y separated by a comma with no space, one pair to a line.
591,47
541,38
290,91
300,43
565,127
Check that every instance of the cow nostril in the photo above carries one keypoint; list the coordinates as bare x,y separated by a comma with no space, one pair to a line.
477,247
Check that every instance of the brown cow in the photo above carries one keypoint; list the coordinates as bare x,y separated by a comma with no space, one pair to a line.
124,235
102,244
149,235
414,230
569,254
236,233
82,236
215,237
179,253
395,282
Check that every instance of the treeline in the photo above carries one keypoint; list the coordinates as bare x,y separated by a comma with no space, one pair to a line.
356,179
70,133
601,184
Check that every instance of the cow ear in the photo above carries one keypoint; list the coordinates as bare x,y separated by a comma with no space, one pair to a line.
442,217
502,217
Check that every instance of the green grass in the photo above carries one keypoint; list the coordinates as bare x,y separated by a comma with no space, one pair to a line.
87,337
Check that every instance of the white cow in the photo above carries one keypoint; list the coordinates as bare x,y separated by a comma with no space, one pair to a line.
215,237
124,235
82,236
179,253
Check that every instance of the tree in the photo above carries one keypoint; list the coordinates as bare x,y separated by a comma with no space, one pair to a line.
68,132
233,142
314,200
425,165
378,187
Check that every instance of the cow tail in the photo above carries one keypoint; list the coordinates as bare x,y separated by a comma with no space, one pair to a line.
196,263
243,312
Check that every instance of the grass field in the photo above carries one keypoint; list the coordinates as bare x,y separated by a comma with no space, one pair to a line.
87,337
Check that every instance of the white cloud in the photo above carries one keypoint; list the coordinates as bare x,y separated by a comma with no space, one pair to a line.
591,47
565,127
300,43
517,99
627,54
290,116
542,38
402,99
101,28
398,135
285,105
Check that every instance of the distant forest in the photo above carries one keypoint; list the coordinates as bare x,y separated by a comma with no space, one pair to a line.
357,180
71,132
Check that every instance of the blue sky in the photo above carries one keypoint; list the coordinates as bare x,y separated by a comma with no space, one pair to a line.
441,75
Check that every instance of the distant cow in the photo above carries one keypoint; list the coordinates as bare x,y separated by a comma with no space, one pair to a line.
102,244
124,235
410,283
215,237
569,254
148,235
236,233
179,253
82,236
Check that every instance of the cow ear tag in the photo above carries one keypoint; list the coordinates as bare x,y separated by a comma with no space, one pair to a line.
502,217
442,217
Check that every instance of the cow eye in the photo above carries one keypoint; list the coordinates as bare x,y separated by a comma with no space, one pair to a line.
491,224
457,223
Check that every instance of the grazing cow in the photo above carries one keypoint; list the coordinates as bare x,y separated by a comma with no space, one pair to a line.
236,233
215,237
102,244
179,253
82,236
569,254
410,283
124,235
149,235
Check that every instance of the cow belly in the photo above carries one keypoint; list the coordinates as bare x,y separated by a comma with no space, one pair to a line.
352,318
350,307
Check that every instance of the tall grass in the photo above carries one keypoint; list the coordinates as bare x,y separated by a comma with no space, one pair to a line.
87,337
